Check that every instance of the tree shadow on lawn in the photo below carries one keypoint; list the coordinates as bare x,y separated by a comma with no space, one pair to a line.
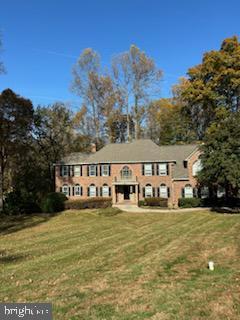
5,257
225,210
11,224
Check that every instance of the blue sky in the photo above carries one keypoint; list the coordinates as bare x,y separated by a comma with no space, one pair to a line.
42,39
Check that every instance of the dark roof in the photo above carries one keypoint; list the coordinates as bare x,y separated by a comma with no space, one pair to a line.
142,150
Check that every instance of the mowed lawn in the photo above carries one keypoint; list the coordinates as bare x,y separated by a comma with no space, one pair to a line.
126,266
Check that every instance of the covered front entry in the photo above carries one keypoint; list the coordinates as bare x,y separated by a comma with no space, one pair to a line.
126,193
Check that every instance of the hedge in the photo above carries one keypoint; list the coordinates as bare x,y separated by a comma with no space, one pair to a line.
156,202
91,203
189,202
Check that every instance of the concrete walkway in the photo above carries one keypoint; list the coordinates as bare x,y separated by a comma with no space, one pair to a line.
135,208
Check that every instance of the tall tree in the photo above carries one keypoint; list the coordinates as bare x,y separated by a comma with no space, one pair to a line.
16,118
96,90
137,77
213,84
221,153
54,135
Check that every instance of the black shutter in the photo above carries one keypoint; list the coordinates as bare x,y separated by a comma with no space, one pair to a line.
69,191
96,191
143,173
157,169
168,192
60,168
152,169
69,171
88,192
81,191
73,193
96,170
109,191
109,170
158,192
183,193
60,189
153,192
100,191
167,169
143,191
88,171
81,170
100,170
73,171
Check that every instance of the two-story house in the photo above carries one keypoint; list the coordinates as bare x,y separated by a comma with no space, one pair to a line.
129,172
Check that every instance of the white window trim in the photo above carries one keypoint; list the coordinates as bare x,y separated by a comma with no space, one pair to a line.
64,171
77,173
90,169
163,191
148,191
188,194
77,187
92,191
148,169
105,191
162,167
105,166
65,192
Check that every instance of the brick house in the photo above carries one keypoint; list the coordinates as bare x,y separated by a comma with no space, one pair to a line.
130,172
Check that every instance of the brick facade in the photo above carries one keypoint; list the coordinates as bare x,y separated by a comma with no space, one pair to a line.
136,185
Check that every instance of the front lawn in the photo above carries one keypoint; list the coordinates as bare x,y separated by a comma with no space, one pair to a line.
92,265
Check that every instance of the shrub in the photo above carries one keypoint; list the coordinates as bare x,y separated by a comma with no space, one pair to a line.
53,202
141,203
189,202
17,202
91,203
156,202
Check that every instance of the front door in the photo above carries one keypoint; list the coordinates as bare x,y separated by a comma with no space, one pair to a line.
126,192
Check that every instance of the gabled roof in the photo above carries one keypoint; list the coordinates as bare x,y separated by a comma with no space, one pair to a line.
142,150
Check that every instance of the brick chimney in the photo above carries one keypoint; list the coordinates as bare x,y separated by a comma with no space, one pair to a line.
93,147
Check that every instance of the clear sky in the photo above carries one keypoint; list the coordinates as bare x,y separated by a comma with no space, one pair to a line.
42,39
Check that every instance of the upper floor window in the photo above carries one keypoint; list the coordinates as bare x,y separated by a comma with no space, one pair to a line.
148,169
65,190
204,192
188,191
126,173
64,171
92,191
77,171
163,191
197,167
105,170
148,191
92,170
162,169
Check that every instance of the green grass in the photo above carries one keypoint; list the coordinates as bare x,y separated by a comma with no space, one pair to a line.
104,264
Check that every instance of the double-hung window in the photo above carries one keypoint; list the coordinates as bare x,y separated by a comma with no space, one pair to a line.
188,191
148,169
77,171
148,191
105,191
92,191
92,170
162,169
105,170
77,190
64,171
65,190
163,191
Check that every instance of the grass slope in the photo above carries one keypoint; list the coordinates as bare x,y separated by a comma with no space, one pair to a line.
127,266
